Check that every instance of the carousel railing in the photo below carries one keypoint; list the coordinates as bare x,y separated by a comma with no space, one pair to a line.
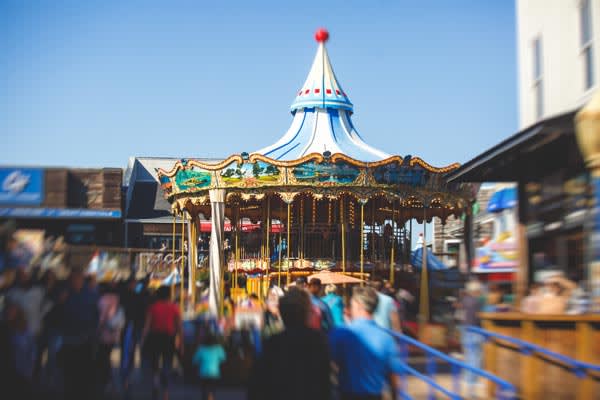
505,389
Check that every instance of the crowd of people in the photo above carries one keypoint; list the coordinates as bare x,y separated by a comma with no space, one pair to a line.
57,337
330,349
307,341
60,338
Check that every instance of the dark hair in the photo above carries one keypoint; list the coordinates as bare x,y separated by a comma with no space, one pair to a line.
301,280
253,296
315,282
377,284
295,308
163,293
209,339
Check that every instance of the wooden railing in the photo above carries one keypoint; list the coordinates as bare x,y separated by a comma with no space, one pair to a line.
549,356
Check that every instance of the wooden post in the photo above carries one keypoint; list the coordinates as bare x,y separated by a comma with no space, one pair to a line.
523,252
490,358
584,352
529,364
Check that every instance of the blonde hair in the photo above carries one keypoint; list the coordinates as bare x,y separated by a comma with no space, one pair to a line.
331,288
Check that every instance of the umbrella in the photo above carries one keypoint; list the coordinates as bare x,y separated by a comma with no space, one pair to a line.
503,199
336,278
433,263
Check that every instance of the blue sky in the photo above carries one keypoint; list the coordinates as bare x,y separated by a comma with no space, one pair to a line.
90,83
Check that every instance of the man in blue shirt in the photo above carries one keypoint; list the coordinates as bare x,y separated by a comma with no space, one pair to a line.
367,356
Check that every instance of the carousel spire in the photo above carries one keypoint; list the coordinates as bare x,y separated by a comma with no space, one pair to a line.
321,88
322,117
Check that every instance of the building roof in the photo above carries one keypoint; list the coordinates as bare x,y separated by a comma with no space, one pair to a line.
526,155
144,199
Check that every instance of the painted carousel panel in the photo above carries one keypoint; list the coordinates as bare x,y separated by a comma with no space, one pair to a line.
192,178
340,173
396,174
258,173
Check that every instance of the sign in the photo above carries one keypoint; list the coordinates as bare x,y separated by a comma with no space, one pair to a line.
497,251
58,213
21,186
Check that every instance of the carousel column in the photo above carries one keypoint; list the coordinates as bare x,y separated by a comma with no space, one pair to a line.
192,258
343,224
424,290
268,243
393,249
235,226
173,264
362,238
182,270
215,260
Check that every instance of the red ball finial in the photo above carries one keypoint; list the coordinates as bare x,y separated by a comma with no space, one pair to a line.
321,35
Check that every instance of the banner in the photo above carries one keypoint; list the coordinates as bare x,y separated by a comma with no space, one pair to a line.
21,186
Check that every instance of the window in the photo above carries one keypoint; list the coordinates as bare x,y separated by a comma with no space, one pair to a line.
585,16
538,88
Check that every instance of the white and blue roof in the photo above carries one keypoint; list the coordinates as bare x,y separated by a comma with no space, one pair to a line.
322,118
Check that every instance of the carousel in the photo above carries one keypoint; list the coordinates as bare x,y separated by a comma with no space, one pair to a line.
319,198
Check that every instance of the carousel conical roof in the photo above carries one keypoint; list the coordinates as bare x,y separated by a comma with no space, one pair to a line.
322,118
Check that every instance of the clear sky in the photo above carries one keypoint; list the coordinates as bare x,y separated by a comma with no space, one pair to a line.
90,83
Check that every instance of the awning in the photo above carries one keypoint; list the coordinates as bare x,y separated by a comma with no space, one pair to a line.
433,263
503,199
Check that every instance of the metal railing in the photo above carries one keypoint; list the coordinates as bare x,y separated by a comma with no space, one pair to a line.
505,390
580,369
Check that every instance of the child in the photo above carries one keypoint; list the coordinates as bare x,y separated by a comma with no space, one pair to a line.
208,358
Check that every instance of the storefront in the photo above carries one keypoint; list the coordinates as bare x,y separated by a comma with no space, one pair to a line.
553,196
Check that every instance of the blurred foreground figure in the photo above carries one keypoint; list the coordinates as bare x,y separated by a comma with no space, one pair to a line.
366,355
163,326
294,364
79,330
335,304
471,305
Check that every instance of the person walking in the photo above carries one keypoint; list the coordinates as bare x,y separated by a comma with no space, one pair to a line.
111,322
134,305
335,304
322,318
79,325
294,364
163,326
471,304
366,356
386,314
208,358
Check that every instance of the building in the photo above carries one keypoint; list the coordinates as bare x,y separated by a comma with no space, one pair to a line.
82,205
558,56
559,69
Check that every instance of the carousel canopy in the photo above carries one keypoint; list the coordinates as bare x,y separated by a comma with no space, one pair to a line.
321,154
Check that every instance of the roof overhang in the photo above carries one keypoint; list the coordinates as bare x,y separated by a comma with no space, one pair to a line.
505,162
